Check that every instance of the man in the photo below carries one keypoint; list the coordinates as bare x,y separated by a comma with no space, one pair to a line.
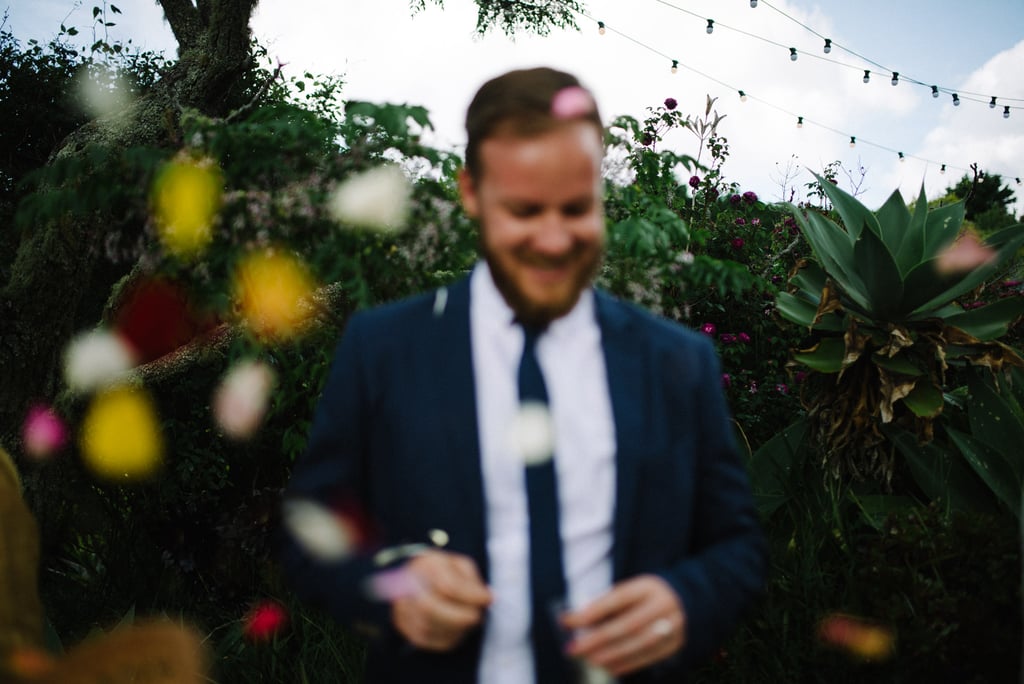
631,551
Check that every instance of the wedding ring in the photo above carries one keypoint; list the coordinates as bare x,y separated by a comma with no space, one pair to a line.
662,627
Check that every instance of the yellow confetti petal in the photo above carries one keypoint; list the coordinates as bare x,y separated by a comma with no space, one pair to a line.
120,435
186,198
269,291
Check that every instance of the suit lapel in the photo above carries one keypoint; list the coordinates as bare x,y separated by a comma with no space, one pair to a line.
626,382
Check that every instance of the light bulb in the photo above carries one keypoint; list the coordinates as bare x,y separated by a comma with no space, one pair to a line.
753,3
600,27
828,45
711,25
902,158
792,54
935,91
895,78
867,75
1006,112
675,65
992,103
743,96
956,100
799,122
853,141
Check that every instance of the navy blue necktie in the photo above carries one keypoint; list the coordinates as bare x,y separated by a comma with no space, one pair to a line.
547,578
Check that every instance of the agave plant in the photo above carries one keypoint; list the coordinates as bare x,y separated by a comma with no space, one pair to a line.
886,325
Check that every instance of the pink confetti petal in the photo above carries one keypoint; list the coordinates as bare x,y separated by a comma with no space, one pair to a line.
44,432
571,103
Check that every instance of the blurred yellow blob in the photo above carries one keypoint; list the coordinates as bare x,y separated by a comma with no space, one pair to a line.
120,434
857,636
186,197
270,287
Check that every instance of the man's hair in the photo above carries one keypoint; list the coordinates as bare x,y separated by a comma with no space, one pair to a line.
519,103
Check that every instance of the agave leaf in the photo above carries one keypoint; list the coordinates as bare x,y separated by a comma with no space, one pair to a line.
991,467
893,219
772,465
925,400
924,284
880,274
810,279
900,364
940,474
941,227
911,248
796,309
833,248
991,321
854,214
997,421
825,357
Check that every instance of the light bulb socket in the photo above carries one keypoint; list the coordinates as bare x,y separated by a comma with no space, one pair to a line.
902,158
600,27
675,65
743,96
853,141
943,169
753,3
956,100
828,45
992,103
799,122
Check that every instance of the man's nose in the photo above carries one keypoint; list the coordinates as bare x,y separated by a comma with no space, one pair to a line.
552,236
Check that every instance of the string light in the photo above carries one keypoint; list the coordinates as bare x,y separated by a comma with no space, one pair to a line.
943,169
853,141
895,78
902,158
753,3
956,100
675,65
743,96
711,25
935,91
867,75
828,45
600,27
799,122
792,53
1018,180
992,103
1006,112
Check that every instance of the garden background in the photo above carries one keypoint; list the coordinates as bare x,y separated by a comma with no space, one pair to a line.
194,206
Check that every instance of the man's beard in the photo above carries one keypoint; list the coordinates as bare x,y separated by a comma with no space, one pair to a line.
585,261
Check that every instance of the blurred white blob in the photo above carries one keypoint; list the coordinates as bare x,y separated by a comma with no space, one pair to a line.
592,674
390,585
322,533
96,359
376,199
532,433
102,97
241,399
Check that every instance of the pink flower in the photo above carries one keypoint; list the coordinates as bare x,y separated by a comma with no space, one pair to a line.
571,103
741,221
800,376
43,432
743,337
781,388
753,387
264,621
727,338
726,380
755,221
708,328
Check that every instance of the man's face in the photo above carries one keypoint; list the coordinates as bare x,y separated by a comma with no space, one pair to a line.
538,201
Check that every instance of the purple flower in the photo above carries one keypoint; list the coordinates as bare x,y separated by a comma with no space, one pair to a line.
712,194
741,221
735,200
670,103
743,337
781,388
749,197
727,338
755,221
776,279
726,380
694,181
708,328
737,243
753,387
647,140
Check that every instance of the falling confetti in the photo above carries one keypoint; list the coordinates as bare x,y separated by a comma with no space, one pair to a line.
102,99
531,435
856,636
377,199
156,317
43,433
241,399
96,359
264,621
391,585
186,197
965,254
120,434
270,288
322,533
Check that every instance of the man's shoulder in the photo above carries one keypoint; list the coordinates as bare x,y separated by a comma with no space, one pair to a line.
409,311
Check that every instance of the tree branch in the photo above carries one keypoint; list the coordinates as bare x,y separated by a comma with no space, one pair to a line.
185,21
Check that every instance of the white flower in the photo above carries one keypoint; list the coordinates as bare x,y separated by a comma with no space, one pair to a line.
532,433
96,359
321,533
241,399
377,199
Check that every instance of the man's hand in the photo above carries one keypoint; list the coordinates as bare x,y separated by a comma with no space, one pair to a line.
451,601
636,624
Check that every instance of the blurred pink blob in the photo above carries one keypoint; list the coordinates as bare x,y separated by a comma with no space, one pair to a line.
264,621
571,103
965,254
43,432
857,636
391,585
241,400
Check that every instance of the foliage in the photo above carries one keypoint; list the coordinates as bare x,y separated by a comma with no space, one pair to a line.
986,200
514,16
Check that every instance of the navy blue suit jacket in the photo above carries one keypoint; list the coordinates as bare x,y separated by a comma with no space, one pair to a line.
396,427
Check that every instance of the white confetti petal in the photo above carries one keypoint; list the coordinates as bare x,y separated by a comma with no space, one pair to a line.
96,359
241,400
377,199
532,433
320,532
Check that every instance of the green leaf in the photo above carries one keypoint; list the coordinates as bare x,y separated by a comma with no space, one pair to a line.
897,364
941,227
940,473
911,247
880,274
877,508
796,309
893,218
826,357
771,467
810,280
833,248
989,322
925,400
991,467
997,420
853,214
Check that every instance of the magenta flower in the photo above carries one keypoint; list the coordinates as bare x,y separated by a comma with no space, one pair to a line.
755,221
737,243
648,140
800,376
741,221
743,337
750,197
735,200
726,380
670,103
712,194
708,328
694,181
264,621
753,387
43,432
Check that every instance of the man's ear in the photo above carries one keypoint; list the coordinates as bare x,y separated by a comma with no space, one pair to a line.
467,191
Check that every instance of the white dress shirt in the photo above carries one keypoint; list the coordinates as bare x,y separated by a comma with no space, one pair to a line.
572,360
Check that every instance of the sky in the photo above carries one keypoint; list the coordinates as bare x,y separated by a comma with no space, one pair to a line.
386,53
